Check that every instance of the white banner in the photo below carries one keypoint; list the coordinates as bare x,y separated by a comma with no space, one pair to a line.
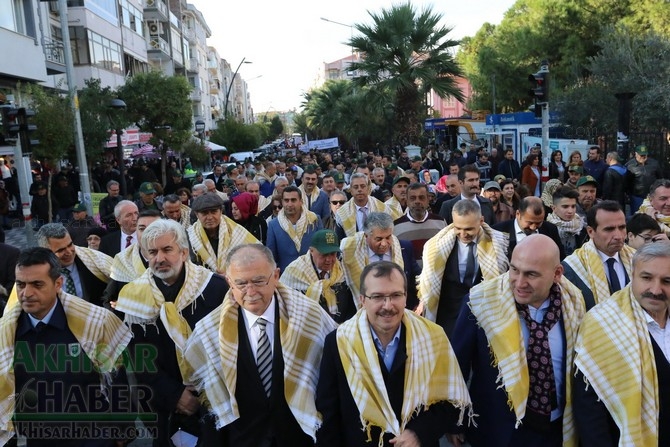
323,144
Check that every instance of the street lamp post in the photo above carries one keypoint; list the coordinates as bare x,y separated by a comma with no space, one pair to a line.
117,104
351,27
230,86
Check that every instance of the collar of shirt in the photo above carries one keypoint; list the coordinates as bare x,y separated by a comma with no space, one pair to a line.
519,230
372,256
411,219
474,199
388,352
651,322
539,312
604,257
358,208
268,315
55,317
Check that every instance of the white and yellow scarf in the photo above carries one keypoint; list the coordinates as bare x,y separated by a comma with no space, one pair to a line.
615,354
304,224
492,303
588,265
263,203
312,197
432,373
102,336
355,257
571,227
491,254
185,216
143,303
301,275
95,261
663,221
230,235
212,350
394,208
128,265
346,215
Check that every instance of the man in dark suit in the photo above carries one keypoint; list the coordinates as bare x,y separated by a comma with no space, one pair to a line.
218,177
457,258
126,214
382,366
274,382
620,391
516,336
85,271
468,177
529,220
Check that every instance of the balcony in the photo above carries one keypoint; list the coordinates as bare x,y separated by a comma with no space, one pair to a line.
158,48
192,65
189,35
156,10
54,56
196,96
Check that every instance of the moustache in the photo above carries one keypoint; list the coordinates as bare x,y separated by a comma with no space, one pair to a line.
387,313
653,296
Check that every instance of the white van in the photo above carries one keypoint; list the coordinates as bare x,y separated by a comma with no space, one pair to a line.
241,156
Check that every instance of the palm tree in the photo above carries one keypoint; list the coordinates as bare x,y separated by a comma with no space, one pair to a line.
406,54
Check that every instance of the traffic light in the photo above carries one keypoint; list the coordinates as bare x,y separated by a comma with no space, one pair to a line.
15,123
540,90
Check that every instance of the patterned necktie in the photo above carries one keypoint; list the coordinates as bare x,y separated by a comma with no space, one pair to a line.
129,241
468,278
264,357
542,392
615,286
69,282
322,274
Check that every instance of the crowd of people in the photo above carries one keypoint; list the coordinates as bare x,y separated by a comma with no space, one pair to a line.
334,300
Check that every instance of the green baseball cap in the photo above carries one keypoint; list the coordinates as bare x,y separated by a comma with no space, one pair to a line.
586,180
325,242
642,150
147,188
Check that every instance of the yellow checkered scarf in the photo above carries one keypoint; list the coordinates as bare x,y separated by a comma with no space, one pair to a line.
432,373
95,261
586,263
213,348
355,258
312,197
185,217
263,202
346,215
304,224
128,265
102,336
492,303
615,354
663,221
143,303
230,235
491,254
301,275
394,208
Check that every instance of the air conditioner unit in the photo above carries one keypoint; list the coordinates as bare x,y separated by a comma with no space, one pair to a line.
155,28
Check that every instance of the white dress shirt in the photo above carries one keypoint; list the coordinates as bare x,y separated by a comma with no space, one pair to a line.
253,330
618,268
661,335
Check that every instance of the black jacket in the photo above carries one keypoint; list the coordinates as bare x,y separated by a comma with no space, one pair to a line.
547,228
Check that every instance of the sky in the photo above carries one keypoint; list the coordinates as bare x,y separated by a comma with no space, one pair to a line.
288,43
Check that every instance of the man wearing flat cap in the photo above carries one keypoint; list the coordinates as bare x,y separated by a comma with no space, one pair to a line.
214,234
319,275
398,203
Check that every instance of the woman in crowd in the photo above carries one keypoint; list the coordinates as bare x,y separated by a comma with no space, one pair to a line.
184,196
557,168
576,158
509,195
243,208
530,176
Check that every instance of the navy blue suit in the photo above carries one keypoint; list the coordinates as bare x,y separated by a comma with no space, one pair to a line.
495,420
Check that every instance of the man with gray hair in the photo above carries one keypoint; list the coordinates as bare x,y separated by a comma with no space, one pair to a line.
162,307
657,205
377,243
622,359
256,357
177,211
107,204
126,213
457,258
211,188
85,272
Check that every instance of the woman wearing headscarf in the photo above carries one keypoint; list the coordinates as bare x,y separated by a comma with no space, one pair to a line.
243,209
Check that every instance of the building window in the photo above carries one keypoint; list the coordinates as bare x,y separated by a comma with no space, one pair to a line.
131,17
13,15
102,52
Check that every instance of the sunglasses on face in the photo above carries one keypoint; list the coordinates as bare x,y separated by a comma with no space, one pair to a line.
338,202
276,207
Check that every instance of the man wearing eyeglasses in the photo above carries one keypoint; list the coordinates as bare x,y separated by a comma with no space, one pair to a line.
161,307
337,199
256,356
388,377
